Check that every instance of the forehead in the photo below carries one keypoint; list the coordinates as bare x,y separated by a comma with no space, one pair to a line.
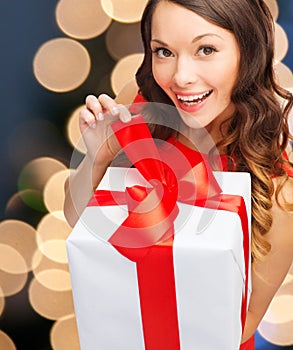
175,19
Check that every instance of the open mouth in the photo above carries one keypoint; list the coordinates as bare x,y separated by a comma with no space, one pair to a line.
194,99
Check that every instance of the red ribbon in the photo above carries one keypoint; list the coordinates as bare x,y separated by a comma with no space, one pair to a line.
146,236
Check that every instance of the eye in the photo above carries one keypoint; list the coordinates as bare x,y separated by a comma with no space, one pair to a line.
206,51
163,53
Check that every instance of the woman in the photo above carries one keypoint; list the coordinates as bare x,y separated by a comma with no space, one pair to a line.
214,62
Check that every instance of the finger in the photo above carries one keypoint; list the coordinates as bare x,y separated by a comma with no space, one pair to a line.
93,104
86,119
108,104
124,114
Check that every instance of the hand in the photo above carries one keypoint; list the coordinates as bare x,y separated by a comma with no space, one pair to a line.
94,122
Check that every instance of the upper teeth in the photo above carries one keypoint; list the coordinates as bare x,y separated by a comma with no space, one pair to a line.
193,97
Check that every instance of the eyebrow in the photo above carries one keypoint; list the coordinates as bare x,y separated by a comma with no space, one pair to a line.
199,37
194,40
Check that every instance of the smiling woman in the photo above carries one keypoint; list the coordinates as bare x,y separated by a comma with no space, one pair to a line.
213,62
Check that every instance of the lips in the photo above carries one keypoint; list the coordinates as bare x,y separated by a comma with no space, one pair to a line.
190,100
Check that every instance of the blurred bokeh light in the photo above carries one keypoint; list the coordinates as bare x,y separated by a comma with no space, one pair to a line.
274,8
64,334
50,303
61,64
124,71
6,343
53,193
127,11
84,19
73,131
281,42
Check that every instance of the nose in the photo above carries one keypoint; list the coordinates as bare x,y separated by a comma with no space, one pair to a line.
185,72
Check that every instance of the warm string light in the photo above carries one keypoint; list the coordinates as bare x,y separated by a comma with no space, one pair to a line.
6,342
61,65
64,334
127,11
124,71
73,132
54,194
84,19
49,303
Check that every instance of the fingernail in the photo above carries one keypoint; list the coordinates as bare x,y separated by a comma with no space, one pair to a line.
126,118
115,111
100,116
93,125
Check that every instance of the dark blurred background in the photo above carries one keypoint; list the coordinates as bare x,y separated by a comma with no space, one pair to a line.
34,123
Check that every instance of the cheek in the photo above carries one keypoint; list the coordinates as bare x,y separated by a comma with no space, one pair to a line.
225,81
161,75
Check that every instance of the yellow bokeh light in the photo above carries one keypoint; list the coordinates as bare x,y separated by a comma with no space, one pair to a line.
49,303
11,261
284,75
281,43
42,263
61,64
64,334
12,284
6,342
127,11
55,249
51,235
37,172
73,131
54,194
123,40
274,8
55,279
84,19
21,237
124,71
31,181
52,227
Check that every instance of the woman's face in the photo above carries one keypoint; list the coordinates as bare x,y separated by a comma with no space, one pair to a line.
195,62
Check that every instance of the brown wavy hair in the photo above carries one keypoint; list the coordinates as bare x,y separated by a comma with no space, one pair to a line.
258,131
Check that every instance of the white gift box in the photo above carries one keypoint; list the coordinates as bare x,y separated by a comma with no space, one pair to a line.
209,272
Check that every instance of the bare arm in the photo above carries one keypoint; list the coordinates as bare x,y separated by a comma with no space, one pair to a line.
94,121
268,275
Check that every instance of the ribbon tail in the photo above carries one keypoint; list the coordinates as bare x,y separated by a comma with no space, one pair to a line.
156,279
